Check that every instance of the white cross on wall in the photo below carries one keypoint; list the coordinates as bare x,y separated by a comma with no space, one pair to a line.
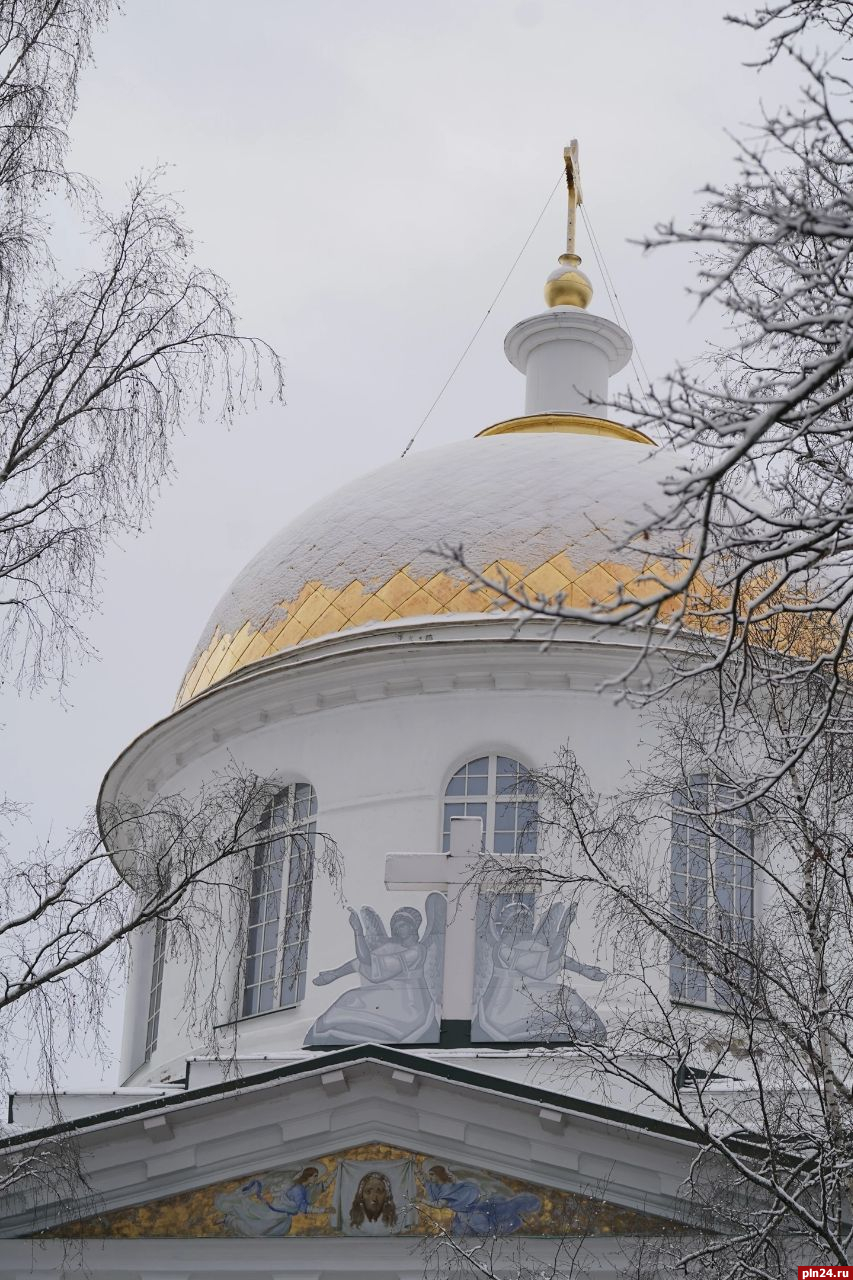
453,873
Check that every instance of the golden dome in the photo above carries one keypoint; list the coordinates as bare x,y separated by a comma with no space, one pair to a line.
566,286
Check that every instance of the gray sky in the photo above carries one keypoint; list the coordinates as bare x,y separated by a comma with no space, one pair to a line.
363,173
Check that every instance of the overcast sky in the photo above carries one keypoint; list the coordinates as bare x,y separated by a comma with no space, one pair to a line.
364,172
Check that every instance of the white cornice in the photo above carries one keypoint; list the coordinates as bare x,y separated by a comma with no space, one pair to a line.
380,661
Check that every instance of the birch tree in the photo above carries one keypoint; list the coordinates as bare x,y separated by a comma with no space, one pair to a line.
726,924
182,864
99,367
743,1019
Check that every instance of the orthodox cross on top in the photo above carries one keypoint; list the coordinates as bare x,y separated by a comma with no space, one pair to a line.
573,182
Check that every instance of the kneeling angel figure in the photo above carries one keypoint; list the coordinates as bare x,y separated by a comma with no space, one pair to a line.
399,999
518,992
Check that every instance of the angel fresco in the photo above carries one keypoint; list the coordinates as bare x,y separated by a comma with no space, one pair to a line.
399,999
267,1206
518,993
481,1207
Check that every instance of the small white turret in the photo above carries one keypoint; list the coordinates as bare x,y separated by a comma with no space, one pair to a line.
567,357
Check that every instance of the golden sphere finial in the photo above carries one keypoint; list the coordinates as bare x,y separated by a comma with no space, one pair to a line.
567,286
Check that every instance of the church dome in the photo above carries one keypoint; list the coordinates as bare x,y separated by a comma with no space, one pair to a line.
539,502
545,503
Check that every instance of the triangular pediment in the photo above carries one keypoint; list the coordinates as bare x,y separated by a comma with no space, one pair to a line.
282,1154
370,1190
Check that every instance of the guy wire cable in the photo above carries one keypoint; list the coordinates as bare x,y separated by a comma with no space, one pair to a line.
615,302
494,300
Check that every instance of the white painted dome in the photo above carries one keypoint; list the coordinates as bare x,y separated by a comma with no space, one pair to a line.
545,506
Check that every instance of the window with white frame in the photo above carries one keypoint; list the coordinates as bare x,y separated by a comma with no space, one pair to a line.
502,792
712,887
152,1026
280,901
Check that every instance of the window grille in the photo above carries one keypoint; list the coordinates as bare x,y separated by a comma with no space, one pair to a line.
152,1026
280,902
502,792
712,890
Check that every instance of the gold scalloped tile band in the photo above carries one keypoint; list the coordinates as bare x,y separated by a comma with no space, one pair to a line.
319,610
778,620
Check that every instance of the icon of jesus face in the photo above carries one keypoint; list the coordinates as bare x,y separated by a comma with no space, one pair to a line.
373,1201
373,1196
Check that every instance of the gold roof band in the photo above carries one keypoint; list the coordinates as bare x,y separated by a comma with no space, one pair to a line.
570,423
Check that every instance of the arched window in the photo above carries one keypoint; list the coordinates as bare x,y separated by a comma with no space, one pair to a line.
280,901
502,792
712,887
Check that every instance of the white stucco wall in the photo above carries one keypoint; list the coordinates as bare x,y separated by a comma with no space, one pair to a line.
377,721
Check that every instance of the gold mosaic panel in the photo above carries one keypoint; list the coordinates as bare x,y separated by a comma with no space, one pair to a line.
442,1196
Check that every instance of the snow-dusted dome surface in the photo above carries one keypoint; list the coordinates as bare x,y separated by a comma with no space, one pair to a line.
545,509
